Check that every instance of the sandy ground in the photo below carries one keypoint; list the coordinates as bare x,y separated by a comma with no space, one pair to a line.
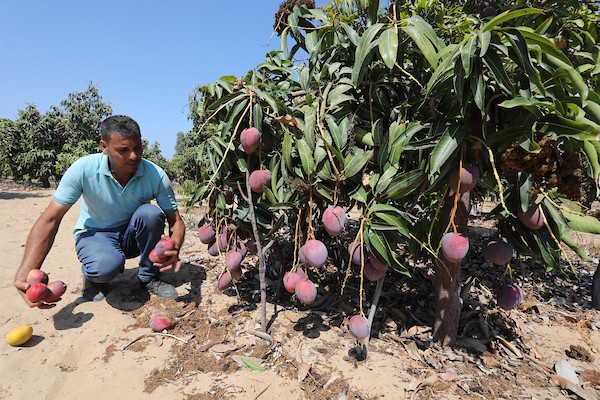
83,350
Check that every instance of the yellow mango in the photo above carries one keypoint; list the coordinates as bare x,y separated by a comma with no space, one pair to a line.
19,335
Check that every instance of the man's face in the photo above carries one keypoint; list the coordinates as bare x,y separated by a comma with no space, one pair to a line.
124,155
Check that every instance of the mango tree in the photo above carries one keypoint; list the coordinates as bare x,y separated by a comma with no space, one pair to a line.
407,114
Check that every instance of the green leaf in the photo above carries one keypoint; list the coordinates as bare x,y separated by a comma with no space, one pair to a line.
563,127
592,155
478,90
352,35
251,365
268,98
385,179
388,46
308,163
405,183
303,78
423,43
338,95
394,222
286,148
360,195
364,49
445,147
484,40
582,223
519,45
378,243
508,15
467,54
494,63
355,161
524,183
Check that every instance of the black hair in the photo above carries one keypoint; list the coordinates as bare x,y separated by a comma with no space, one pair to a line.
122,125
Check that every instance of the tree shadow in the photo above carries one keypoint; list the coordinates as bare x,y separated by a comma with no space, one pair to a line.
312,325
20,195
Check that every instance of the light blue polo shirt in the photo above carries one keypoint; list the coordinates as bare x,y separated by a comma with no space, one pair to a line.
105,203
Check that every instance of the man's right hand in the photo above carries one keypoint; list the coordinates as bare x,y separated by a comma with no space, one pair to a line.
22,287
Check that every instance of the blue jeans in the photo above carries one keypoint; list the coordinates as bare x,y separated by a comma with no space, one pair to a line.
102,253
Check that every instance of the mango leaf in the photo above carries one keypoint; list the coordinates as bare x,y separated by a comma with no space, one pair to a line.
445,147
286,148
524,183
385,179
377,242
355,161
592,155
338,132
312,42
388,46
561,229
494,63
364,49
582,223
530,104
484,40
508,15
404,184
563,127
303,78
397,144
352,35
420,38
478,90
268,98
443,70
519,45
467,54
338,95
360,195
306,158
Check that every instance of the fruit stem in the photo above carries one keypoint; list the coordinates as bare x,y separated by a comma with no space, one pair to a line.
373,309
330,156
310,232
261,260
296,241
357,239
457,189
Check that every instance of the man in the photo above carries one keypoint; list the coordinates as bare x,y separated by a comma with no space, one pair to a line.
116,218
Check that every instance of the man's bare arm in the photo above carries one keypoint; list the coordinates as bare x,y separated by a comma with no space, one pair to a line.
40,240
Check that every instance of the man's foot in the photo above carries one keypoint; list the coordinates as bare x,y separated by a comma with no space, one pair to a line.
160,288
94,291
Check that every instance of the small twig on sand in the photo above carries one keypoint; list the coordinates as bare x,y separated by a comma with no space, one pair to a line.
263,391
261,335
126,345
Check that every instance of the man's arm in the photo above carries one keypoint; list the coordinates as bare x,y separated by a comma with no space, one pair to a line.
177,233
40,240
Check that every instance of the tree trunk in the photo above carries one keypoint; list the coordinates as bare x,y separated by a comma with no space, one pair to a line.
446,281
596,288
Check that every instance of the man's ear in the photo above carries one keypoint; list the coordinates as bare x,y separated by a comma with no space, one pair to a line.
104,146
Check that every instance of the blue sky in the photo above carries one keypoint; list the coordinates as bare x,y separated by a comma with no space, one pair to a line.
145,57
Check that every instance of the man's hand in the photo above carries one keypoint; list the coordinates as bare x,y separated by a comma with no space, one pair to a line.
171,261
22,287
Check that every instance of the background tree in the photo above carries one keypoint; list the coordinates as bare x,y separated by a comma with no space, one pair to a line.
41,146
392,111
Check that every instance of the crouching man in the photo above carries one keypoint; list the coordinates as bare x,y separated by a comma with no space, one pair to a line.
116,218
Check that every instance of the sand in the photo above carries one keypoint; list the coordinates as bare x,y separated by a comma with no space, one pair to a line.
80,349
